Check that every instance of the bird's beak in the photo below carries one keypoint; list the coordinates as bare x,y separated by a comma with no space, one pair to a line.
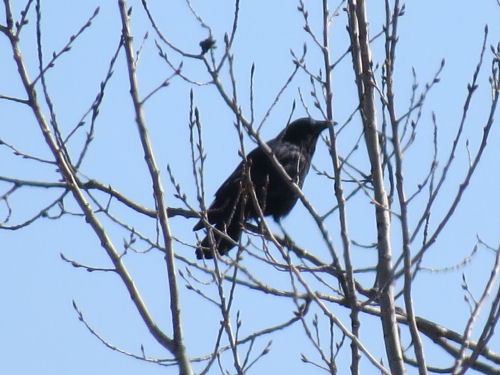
323,124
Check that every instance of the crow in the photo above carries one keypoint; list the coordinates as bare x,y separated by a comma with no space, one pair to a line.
233,204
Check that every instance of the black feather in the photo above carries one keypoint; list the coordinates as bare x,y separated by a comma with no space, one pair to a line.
233,206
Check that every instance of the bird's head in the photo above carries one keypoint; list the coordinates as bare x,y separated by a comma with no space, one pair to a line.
303,130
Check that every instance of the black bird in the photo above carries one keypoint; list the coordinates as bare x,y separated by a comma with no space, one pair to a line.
233,205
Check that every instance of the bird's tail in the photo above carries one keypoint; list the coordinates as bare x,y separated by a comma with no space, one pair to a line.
220,244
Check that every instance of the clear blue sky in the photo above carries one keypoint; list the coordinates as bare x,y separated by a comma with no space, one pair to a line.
39,328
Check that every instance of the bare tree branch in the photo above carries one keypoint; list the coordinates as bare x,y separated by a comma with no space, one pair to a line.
176,345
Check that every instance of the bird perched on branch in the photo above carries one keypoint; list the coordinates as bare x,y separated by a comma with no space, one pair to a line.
235,202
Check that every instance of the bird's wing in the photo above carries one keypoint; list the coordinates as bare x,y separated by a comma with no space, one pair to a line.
292,159
224,197
227,194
